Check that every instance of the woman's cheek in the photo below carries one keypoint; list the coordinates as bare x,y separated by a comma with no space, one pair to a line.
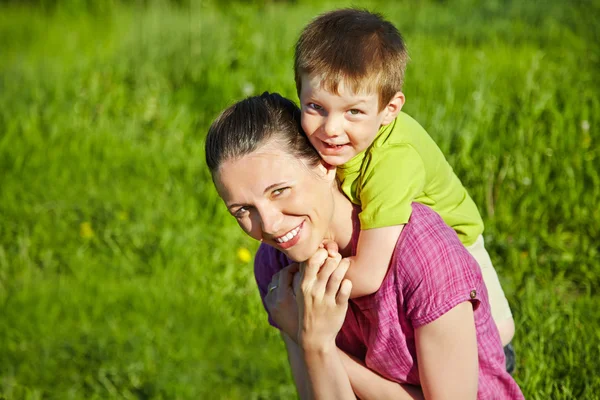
247,226
295,204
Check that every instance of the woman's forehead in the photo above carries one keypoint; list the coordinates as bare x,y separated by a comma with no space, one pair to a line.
263,167
270,155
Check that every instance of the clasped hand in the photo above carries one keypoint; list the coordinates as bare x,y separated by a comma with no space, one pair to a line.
309,300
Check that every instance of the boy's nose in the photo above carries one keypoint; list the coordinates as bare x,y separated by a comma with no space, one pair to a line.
332,127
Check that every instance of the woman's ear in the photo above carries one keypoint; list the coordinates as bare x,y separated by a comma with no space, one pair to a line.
392,109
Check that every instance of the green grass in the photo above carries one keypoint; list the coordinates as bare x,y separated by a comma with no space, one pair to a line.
118,269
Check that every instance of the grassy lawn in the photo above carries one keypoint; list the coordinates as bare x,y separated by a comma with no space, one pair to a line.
122,275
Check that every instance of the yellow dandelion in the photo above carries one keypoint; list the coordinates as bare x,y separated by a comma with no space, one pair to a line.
244,254
86,231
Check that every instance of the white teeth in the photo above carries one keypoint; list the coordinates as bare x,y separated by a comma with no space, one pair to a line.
288,236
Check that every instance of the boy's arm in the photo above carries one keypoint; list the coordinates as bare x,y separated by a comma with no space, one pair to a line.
393,177
373,254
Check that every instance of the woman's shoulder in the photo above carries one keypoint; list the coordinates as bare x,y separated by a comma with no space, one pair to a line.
434,269
426,236
267,262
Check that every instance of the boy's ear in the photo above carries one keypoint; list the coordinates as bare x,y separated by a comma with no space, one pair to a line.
327,171
392,109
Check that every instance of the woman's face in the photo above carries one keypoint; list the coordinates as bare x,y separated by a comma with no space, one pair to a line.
279,199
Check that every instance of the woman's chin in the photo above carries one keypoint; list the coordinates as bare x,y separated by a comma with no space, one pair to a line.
295,256
300,254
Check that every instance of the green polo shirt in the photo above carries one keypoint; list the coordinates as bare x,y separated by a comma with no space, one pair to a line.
401,166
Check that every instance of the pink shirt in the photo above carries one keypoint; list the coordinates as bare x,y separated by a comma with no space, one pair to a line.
431,272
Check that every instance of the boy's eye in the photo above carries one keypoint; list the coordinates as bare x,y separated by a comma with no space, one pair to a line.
315,106
354,111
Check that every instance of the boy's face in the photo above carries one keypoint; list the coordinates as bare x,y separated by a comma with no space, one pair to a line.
342,125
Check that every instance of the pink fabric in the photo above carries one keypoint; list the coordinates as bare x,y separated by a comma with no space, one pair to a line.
431,272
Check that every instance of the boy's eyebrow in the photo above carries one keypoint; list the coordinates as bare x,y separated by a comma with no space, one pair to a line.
352,103
357,102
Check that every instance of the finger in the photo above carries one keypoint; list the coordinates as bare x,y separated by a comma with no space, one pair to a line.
310,268
274,282
286,276
269,299
294,267
330,265
331,247
296,283
333,285
343,294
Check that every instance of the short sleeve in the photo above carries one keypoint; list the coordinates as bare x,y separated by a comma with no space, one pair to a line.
439,273
267,263
392,177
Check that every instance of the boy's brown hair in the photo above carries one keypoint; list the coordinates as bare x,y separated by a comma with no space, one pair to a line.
355,46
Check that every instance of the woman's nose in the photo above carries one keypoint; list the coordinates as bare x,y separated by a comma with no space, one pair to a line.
271,220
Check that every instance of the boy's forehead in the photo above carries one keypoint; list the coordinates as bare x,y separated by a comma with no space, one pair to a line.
341,87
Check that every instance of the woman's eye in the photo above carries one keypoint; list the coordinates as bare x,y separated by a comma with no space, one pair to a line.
240,212
278,192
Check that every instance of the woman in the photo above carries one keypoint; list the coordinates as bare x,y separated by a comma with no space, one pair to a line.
427,332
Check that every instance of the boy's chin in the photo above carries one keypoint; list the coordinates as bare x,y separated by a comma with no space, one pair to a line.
335,161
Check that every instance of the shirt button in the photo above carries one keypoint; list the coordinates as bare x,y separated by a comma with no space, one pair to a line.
473,294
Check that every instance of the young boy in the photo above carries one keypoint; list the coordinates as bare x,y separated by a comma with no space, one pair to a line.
349,69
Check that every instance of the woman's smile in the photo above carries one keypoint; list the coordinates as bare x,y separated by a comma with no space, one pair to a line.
290,238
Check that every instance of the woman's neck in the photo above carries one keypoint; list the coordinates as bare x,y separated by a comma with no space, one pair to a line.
342,223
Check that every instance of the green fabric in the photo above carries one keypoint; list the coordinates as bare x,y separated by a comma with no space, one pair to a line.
401,166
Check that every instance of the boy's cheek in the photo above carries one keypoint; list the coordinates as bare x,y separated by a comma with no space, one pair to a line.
304,122
310,134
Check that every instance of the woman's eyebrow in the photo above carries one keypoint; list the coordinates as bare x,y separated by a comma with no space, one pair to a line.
268,188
